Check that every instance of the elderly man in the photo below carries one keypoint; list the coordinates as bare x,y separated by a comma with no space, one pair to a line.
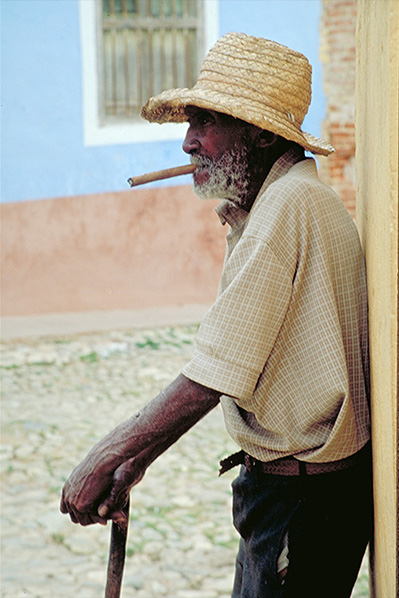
283,348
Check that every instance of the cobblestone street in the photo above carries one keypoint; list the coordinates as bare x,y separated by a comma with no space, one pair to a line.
61,395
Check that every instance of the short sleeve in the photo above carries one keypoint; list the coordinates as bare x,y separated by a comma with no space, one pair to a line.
238,333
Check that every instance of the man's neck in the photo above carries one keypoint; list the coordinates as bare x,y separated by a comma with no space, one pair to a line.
263,162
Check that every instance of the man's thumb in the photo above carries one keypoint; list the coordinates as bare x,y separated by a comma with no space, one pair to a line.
112,506
106,511
103,510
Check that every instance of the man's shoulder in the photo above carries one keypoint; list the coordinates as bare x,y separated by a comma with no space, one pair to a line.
295,207
296,191
302,177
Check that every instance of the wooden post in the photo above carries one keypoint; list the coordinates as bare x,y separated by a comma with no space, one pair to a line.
377,130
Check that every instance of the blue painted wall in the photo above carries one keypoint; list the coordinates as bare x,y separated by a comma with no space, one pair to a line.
43,155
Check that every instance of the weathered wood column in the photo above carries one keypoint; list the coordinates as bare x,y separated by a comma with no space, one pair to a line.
377,129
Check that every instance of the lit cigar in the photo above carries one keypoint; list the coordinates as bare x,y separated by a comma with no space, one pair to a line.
161,174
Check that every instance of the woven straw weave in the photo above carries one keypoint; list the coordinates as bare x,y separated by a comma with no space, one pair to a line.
250,78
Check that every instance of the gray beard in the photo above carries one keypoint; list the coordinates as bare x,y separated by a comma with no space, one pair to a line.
228,176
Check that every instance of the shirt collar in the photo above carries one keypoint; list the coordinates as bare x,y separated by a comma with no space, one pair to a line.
230,213
235,216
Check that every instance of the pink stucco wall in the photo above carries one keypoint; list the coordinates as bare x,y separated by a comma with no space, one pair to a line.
128,250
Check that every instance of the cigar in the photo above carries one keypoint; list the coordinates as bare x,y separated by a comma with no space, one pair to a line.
161,174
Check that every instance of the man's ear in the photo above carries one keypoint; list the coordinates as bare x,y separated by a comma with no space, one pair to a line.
265,138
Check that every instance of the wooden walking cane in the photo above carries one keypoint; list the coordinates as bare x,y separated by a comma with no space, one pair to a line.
117,552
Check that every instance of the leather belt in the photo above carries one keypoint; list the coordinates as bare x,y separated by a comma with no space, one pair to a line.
290,466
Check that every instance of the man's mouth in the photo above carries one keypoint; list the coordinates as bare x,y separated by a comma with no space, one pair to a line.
201,173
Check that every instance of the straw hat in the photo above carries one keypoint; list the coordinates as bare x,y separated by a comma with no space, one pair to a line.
253,79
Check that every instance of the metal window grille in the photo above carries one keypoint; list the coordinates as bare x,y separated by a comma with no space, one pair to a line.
147,46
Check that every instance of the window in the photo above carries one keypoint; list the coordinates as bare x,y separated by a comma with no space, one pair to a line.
133,49
148,46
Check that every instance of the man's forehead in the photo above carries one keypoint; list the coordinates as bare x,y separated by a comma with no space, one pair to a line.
195,111
224,119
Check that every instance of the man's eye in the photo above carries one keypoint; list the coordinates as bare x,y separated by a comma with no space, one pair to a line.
200,120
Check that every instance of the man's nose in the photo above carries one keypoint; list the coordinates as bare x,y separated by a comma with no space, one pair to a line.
191,142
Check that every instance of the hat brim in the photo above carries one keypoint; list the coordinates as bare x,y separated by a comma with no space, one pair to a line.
169,106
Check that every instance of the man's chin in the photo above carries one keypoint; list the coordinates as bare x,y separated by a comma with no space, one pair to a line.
202,192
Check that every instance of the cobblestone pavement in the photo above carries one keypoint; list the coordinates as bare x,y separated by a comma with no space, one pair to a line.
61,395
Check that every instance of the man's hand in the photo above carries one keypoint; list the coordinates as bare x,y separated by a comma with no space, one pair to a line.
125,477
82,491
99,486
91,495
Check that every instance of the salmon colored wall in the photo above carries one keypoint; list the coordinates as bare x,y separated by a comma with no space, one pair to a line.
129,250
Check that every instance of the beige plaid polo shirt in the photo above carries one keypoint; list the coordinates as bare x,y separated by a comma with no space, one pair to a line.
286,341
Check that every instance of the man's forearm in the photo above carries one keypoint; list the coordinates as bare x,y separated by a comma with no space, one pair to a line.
160,423
172,413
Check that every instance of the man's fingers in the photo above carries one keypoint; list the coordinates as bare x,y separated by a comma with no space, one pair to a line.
73,517
124,477
82,518
112,506
98,519
119,517
86,519
105,513
63,503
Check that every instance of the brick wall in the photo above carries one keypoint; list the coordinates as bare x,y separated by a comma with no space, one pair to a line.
338,42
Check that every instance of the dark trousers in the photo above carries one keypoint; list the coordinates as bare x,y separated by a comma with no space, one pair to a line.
328,518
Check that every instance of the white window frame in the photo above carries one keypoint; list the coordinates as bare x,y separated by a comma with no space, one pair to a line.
94,132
